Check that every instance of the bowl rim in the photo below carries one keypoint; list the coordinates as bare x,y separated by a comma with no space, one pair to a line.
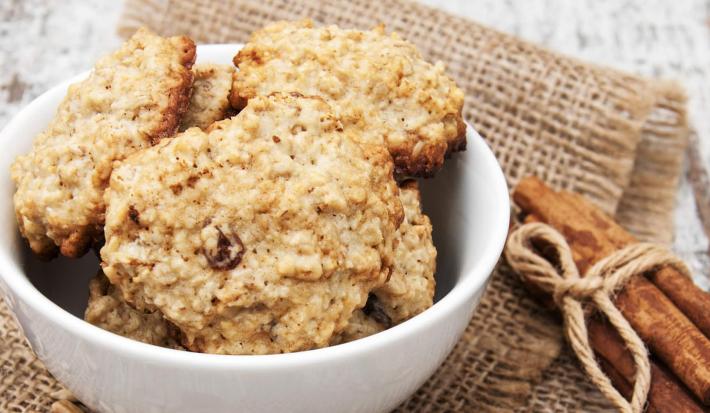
19,285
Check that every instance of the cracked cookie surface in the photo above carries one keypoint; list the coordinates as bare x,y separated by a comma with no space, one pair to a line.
376,81
131,99
260,235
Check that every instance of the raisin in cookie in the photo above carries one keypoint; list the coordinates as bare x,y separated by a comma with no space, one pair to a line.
132,99
210,96
410,289
261,235
108,310
376,81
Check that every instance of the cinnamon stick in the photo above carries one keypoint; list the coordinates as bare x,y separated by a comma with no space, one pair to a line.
620,383
691,300
659,323
666,393
626,388
688,297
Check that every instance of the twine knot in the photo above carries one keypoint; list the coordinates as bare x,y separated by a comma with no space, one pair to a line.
596,289
575,287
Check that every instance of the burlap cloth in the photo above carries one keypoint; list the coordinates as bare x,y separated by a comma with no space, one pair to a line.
617,138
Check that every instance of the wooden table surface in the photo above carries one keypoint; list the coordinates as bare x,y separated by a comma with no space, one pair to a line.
43,42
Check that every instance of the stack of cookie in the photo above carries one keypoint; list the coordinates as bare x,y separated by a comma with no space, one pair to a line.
263,209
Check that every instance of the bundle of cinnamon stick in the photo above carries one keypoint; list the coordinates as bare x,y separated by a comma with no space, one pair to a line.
665,308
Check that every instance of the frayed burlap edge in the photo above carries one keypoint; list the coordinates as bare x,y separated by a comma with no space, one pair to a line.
646,208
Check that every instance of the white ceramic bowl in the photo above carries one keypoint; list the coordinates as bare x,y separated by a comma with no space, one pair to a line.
467,203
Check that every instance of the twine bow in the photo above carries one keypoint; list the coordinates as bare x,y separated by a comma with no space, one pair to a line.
569,290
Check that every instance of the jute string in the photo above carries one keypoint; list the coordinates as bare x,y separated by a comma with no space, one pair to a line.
595,290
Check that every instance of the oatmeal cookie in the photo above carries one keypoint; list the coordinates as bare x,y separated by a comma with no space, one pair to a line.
260,235
410,289
132,99
210,96
360,325
108,310
376,81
